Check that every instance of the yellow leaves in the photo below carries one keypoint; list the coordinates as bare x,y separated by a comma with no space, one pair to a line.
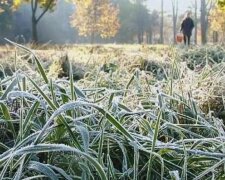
109,21
98,17
87,3
42,3
84,3
217,20
17,3
221,4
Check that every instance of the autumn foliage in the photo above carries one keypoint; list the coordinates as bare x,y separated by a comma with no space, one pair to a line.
96,17
42,3
221,4
217,20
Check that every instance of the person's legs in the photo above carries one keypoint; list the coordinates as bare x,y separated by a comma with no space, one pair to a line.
185,40
189,39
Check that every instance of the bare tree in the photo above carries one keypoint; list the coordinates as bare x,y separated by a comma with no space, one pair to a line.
203,22
154,22
175,12
162,22
206,6
196,22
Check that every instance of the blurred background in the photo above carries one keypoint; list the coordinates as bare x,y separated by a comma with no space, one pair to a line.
131,21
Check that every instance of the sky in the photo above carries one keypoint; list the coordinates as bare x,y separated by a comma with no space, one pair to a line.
183,5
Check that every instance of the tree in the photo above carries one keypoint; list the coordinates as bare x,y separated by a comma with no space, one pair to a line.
221,4
218,12
162,22
206,6
194,6
217,22
203,22
141,19
196,24
5,17
126,16
60,30
154,25
135,21
175,12
45,5
96,17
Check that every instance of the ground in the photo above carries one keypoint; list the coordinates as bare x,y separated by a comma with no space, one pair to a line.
129,110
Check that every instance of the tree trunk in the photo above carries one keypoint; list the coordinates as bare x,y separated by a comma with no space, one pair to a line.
174,31
34,30
215,36
35,19
142,36
175,10
92,38
196,24
139,36
150,36
162,23
203,22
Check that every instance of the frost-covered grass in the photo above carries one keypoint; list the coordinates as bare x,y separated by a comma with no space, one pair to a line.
122,121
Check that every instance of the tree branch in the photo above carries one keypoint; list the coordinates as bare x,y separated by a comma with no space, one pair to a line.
32,5
35,5
46,9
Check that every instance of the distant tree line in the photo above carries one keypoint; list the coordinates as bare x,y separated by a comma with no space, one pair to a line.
103,21
51,21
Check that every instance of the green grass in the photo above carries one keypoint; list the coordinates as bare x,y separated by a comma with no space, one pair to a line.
123,123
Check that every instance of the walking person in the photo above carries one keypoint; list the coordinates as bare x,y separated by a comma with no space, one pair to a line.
187,26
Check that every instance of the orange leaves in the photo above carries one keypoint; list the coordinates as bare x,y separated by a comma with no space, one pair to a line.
98,17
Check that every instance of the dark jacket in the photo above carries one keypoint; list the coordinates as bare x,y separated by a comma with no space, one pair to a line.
187,26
